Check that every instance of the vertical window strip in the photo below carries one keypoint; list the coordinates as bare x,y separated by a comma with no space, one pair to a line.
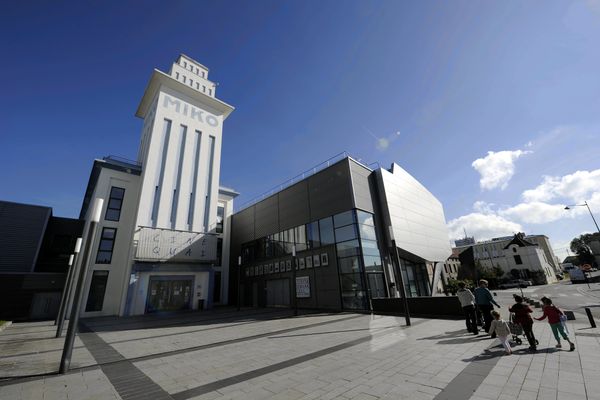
209,183
194,180
177,189
161,174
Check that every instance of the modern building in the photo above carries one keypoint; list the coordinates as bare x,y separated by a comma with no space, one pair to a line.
35,248
467,240
333,232
531,256
163,239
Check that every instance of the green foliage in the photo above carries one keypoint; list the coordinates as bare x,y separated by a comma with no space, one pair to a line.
581,246
452,285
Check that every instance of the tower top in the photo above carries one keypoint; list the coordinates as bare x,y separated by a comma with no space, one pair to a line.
190,72
190,78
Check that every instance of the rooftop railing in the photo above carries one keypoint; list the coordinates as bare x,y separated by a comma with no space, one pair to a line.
309,172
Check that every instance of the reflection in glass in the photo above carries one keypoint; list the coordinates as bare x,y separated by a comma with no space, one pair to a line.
349,248
312,235
346,233
349,265
345,218
326,231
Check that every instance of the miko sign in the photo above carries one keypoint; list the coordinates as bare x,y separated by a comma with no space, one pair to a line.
586,267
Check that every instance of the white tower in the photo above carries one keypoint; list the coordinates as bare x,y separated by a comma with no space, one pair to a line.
180,149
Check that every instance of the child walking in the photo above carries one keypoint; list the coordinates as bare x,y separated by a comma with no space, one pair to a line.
554,313
500,327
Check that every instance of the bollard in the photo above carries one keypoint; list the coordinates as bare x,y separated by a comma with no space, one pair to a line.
590,317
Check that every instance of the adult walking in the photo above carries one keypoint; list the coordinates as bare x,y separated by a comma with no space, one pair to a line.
466,298
485,303
523,317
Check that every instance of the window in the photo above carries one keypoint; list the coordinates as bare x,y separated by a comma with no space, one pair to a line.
514,249
177,75
345,218
349,265
184,79
203,88
312,235
365,218
217,286
219,251
210,92
97,290
191,82
326,231
346,233
518,260
220,217
115,202
107,244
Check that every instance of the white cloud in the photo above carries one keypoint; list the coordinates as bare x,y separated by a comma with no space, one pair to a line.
482,226
537,212
497,168
483,207
575,187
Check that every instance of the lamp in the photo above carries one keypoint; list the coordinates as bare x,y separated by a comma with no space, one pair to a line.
585,204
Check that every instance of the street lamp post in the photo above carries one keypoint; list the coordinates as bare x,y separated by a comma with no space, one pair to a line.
65,360
400,278
590,211
294,299
64,299
239,283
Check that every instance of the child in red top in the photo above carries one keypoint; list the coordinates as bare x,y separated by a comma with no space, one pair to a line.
553,313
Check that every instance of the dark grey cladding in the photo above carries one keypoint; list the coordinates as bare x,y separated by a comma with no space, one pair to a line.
22,228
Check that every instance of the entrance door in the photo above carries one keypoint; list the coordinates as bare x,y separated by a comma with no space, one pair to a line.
44,305
278,293
169,294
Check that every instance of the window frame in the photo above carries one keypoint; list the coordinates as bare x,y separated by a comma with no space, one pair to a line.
108,207
112,249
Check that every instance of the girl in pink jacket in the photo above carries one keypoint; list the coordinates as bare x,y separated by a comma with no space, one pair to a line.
554,313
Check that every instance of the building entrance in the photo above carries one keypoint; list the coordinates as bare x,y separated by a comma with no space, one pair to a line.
169,294
278,293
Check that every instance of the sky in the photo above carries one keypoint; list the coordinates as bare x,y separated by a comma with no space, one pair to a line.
493,106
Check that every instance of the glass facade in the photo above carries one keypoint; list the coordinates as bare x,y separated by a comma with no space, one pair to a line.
416,279
355,241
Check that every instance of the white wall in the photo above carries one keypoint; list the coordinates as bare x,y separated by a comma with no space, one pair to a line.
118,269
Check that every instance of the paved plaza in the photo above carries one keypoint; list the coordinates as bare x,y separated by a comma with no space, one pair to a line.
270,354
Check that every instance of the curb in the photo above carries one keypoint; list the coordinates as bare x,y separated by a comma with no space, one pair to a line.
5,325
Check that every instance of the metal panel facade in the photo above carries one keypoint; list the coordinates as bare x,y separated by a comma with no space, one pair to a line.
360,185
416,216
22,230
330,191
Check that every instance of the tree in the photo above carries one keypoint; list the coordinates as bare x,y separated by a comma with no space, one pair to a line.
581,247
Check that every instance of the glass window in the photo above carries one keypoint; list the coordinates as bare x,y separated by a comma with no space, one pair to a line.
370,248
115,202
365,218
220,217
106,246
219,251
373,263
300,238
97,290
377,285
349,265
345,218
351,282
312,235
349,248
367,232
518,260
326,231
348,232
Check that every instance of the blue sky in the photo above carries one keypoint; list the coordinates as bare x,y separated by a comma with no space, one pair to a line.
433,86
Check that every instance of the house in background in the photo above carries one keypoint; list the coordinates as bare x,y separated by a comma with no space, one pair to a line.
519,256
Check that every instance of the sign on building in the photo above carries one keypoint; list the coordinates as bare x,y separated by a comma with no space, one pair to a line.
177,246
302,287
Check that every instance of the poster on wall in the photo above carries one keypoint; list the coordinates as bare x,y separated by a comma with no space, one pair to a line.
301,263
316,261
288,265
276,267
324,259
309,262
302,287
